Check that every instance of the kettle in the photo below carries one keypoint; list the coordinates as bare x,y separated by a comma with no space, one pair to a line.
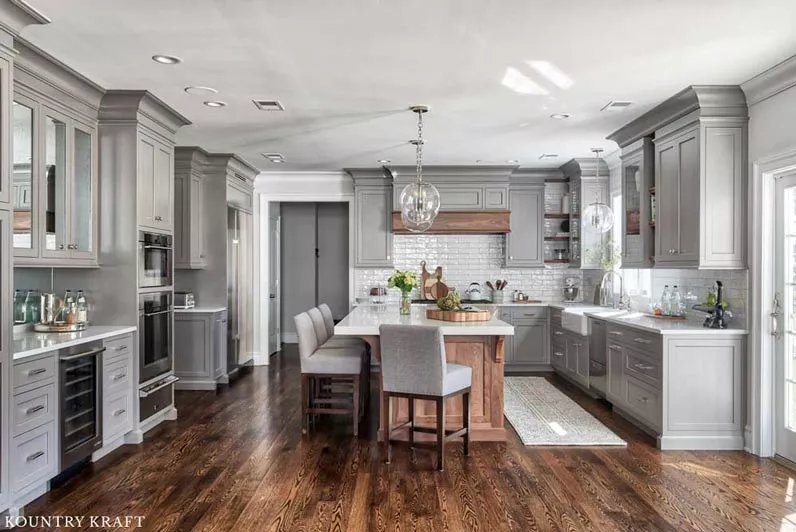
473,291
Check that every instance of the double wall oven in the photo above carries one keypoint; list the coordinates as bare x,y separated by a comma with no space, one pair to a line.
155,260
155,323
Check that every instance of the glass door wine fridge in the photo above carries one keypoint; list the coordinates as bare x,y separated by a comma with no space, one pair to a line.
81,402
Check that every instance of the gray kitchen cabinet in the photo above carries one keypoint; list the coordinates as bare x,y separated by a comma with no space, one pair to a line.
638,180
700,166
588,184
577,358
189,210
373,231
616,371
155,184
461,188
200,339
118,390
529,348
525,242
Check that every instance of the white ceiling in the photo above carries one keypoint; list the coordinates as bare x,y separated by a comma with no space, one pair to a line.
346,70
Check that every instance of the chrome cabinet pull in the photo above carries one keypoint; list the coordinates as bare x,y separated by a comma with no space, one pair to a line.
616,333
119,412
775,315
119,376
37,371
643,367
642,399
34,456
558,333
642,340
120,348
34,409
558,354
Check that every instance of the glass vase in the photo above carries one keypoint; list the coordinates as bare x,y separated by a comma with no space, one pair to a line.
406,304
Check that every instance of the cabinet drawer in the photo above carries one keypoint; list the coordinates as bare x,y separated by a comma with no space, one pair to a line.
117,376
644,400
155,402
649,343
38,371
558,354
118,347
117,417
529,313
33,457
34,408
555,317
644,368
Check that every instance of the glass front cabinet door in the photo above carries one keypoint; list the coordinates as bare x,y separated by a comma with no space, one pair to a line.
54,187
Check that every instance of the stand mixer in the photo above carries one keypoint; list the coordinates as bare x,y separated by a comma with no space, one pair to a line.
570,289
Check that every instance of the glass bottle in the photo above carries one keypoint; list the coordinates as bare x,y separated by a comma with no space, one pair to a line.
68,311
677,302
82,308
666,301
32,306
19,307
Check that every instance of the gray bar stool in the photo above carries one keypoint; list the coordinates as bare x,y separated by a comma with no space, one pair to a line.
413,366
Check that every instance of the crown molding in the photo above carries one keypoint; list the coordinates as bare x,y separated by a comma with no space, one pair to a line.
15,15
773,81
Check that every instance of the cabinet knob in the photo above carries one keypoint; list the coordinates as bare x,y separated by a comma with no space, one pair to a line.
60,246
511,257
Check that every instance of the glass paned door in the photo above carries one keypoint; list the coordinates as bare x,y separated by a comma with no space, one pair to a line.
785,314
56,231
82,204
23,189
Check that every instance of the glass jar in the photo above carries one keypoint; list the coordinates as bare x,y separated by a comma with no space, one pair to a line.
406,304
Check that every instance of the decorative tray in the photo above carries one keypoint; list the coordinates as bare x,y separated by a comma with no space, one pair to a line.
59,327
666,317
458,315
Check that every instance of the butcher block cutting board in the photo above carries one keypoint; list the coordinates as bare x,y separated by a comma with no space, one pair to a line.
458,315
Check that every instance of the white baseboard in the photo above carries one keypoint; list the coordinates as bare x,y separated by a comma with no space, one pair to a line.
108,448
20,500
134,437
289,338
700,443
747,439
261,359
169,414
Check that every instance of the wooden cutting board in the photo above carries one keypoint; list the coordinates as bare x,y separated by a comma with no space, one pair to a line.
432,286
458,315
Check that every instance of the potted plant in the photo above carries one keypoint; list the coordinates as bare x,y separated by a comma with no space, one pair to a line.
405,281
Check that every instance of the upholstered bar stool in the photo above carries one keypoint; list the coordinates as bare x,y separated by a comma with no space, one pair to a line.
328,322
413,366
332,378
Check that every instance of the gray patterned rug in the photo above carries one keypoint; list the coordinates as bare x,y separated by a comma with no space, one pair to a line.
542,415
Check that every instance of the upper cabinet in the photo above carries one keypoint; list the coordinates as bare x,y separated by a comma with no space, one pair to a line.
373,237
638,194
461,188
588,184
55,164
525,242
189,211
700,169
155,184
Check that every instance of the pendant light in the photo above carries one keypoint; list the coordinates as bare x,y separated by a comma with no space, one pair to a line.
598,217
419,200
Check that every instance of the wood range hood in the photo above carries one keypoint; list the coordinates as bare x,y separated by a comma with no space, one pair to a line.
462,223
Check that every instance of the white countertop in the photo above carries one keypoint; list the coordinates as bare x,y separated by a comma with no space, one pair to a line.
31,343
691,326
365,320
200,310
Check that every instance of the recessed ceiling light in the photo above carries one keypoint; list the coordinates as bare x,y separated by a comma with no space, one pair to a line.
522,84
200,91
166,59
560,116
548,156
384,161
512,161
268,105
215,103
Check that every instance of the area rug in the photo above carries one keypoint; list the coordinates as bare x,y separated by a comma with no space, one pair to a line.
542,415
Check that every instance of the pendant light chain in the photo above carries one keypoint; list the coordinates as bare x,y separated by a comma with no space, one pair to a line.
419,147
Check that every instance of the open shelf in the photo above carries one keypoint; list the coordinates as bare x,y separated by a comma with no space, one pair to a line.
560,238
557,261
559,215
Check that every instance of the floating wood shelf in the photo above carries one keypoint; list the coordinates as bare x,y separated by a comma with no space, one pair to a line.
461,223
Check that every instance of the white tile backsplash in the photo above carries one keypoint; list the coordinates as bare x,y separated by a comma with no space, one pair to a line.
466,259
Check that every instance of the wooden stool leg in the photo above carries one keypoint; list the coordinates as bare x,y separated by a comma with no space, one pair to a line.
440,434
305,399
385,397
466,420
411,422
355,409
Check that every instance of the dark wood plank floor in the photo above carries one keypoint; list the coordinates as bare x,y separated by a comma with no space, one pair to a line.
235,461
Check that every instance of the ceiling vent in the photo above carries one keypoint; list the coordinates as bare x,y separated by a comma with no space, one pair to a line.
268,105
548,156
274,157
616,105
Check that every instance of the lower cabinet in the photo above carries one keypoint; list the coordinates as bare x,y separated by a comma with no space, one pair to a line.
200,344
528,350
118,390
569,354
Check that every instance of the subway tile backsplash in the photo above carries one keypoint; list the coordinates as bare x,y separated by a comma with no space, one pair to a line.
466,259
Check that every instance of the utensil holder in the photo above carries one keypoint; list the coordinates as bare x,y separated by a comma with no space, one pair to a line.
498,296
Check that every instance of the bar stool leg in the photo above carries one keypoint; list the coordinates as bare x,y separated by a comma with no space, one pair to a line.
440,434
466,420
386,412
305,399
355,406
411,422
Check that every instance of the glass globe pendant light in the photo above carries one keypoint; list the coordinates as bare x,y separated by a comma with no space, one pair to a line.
598,217
419,200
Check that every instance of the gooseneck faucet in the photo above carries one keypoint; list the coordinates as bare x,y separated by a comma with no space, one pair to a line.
603,297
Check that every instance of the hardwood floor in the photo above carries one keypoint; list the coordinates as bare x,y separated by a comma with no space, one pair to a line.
235,461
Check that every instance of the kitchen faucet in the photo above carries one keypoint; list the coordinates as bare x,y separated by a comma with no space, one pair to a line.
621,303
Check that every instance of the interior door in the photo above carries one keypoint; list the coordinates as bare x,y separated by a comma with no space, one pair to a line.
274,229
785,311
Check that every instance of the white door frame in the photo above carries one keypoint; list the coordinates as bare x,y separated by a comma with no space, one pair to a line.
311,198
761,425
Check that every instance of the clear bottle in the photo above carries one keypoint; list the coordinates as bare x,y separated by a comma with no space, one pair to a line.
32,306
666,301
82,307
677,302
68,314
19,307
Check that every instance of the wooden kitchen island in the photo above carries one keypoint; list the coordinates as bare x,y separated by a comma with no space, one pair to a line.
476,344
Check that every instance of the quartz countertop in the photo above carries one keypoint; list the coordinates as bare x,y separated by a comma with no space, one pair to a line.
200,310
691,326
31,343
365,321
